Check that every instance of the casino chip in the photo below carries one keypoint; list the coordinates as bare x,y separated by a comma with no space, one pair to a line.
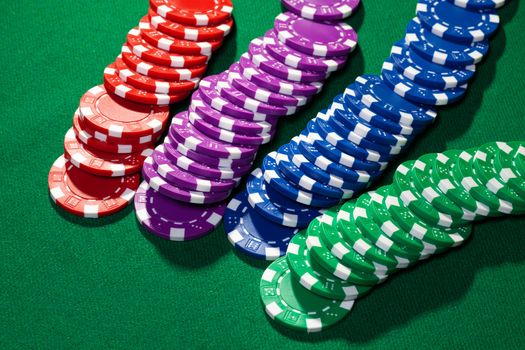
117,124
90,196
287,302
324,10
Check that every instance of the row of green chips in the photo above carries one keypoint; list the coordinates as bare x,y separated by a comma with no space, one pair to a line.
428,209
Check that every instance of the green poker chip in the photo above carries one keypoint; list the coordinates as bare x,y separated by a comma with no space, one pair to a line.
463,173
443,238
328,261
352,238
418,205
312,276
484,168
507,169
287,302
386,230
424,184
442,176
374,233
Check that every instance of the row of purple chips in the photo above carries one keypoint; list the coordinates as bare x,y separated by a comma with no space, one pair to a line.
348,145
212,145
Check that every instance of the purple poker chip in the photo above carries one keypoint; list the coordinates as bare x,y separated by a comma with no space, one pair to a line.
226,135
252,90
210,161
225,122
174,158
272,83
178,178
183,132
262,59
315,38
299,60
172,219
237,97
210,95
159,183
322,10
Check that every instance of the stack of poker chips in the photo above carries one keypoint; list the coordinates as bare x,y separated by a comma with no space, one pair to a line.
118,123
348,146
428,209
210,147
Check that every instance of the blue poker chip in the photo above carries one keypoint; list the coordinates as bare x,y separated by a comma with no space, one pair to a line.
275,207
300,179
309,150
311,135
339,112
273,176
479,4
377,96
328,134
416,93
252,234
332,125
453,23
352,100
418,69
443,52
322,175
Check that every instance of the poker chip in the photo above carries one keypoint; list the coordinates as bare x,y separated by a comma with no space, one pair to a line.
288,303
203,13
252,90
443,52
274,84
142,49
170,44
159,72
450,22
187,32
263,60
172,219
184,133
235,96
479,4
416,93
315,38
87,195
419,70
509,173
313,277
165,186
157,86
243,228
212,116
226,135
275,207
326,10
377,96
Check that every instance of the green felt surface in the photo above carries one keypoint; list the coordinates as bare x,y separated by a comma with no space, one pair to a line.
67,282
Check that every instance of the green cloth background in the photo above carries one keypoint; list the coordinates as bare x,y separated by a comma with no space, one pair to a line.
70,282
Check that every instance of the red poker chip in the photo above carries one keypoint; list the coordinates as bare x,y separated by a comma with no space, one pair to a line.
87,195
102,163
160,72
191,33
119,118
116,86
120,148
147,139
158,86
152,54
192,12
171,44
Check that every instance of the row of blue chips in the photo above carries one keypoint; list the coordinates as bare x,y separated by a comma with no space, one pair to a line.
348,145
